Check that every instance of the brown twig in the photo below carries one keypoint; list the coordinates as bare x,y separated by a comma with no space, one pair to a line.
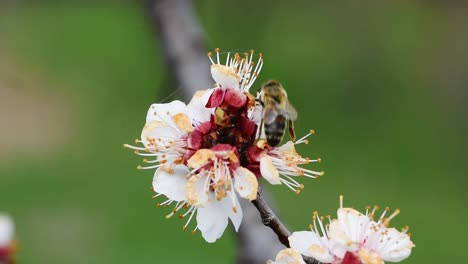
272,221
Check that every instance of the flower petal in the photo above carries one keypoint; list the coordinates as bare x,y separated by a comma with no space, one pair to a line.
288,256
200,158
197,107
268,170
245,183
225,76
171,185
233,209
196,189
212,220
154,130
350,228
164,112
7,229
398,246
310,244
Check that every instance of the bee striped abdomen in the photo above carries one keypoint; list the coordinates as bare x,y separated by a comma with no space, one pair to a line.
274,131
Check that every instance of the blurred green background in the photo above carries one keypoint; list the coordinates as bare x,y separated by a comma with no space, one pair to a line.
383,85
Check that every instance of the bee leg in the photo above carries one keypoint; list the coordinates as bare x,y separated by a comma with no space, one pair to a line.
291,130
260,130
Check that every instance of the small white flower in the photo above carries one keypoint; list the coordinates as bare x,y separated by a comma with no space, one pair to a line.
279,164
353,236
7,230
287,256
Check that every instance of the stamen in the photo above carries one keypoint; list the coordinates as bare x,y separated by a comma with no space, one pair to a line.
209,56
387,221
217,55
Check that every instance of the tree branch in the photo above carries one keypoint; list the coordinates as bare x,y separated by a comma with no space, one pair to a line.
272,221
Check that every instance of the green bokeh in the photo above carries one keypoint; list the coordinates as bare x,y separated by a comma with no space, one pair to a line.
382,84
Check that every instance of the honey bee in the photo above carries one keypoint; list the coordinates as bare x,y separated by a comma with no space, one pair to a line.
276,110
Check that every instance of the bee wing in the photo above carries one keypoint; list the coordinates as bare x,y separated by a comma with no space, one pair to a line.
289,111
270,114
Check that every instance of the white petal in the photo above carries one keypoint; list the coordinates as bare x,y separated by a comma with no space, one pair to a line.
288,256
197,107
310,244
196,189
225,76
268,170
160,131
171,185
350,229
231,206
212,220
245,183
164,112
398,247
7,229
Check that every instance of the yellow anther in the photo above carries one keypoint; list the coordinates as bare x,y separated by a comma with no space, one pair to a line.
312,131
210,54
139,167
217,49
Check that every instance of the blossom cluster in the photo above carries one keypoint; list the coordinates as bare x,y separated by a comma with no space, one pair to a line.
352,238
209,152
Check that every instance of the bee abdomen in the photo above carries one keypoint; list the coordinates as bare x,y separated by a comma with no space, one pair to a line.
274,132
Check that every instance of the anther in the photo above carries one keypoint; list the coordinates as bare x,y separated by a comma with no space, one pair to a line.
312,131
217,49
139,167
210,54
